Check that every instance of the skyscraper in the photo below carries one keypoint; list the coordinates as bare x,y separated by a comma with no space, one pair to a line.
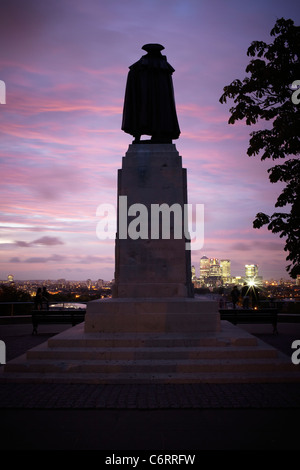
204,267
225,268
193,273
214,267
251,270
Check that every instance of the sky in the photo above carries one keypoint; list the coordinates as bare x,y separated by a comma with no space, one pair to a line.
65,66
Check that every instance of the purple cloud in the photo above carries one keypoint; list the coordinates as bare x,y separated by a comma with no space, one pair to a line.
50,241
45,241
22,244
41,259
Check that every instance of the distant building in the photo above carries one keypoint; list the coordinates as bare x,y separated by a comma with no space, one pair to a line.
214,267
225,265
237,280
193,273
204,267
214,272
251,271
10,278
62,283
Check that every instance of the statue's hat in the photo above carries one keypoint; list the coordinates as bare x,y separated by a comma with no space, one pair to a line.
153,47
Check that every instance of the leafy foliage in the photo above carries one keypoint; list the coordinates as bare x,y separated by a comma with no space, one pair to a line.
265,95
9,293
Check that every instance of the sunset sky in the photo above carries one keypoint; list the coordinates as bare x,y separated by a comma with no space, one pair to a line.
65,65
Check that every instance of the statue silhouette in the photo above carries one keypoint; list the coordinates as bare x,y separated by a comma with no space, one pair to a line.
149,104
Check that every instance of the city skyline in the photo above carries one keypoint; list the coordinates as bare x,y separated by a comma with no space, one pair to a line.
65,65
244,273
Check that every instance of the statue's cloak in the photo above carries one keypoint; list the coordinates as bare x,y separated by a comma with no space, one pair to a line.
149,104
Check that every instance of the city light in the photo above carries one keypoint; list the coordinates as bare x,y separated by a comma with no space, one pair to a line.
254,282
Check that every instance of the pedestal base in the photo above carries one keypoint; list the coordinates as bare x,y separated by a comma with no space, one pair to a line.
152,315
157,341
230,355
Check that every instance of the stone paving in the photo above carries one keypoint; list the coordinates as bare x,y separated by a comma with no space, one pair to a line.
156,396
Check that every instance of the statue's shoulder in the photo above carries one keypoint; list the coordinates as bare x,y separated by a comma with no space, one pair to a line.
148,62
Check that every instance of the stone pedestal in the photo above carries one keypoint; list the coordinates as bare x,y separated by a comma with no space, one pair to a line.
160,316
153,289
152,176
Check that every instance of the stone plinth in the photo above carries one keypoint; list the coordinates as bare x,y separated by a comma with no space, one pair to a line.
152,316
151,175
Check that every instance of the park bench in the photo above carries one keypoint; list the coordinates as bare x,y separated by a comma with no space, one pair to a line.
259,316
61,316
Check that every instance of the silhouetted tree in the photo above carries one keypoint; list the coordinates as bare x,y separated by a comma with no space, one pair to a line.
270,93
9,293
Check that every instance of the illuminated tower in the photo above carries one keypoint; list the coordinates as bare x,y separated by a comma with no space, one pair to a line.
193,273
214,268
225,268
251,270
204,267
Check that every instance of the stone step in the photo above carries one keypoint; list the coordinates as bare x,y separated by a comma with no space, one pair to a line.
151,353
76,337
151,366
73,356
152,378
148,341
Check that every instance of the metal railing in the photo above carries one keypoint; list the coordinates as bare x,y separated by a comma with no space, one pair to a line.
9,308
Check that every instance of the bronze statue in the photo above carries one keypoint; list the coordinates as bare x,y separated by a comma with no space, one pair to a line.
149,105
